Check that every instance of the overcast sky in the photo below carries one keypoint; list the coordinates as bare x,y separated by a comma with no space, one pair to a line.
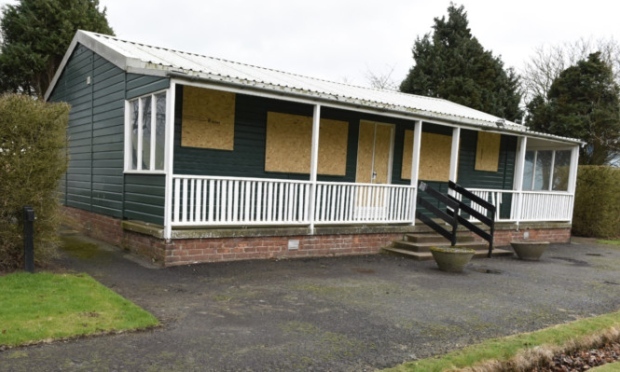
344,39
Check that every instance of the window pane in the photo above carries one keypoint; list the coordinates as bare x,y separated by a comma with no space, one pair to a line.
160,133
542,173
146,133
560,170
528,170
133,108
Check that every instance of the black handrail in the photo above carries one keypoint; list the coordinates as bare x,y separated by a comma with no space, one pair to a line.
450,217
490,209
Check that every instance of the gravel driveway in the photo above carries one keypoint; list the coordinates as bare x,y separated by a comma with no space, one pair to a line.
330,314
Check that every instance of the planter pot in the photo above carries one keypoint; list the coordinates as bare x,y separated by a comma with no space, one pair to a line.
529,251
452,259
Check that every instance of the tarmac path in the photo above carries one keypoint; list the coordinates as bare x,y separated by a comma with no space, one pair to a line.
330,314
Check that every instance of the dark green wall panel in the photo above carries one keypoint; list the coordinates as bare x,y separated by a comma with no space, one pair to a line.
138,85
100,189
72,88
95,180
502,179
144,197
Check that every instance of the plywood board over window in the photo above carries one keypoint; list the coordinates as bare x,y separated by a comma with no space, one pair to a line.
289,143
434,156
208,119
487,152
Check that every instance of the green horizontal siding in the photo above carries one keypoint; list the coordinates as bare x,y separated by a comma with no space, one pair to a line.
139,85
468,177
72,88
95,180
144,197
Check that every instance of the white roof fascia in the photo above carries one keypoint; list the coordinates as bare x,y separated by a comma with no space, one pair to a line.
143,70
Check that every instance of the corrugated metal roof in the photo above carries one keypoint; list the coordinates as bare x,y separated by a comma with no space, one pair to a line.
132,56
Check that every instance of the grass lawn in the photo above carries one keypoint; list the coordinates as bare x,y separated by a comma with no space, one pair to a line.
610,242
509,348
42,307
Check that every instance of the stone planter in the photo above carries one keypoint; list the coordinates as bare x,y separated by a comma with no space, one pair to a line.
529,251
452,259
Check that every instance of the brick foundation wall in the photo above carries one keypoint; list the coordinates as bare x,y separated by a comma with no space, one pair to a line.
504,237
107,229
189,251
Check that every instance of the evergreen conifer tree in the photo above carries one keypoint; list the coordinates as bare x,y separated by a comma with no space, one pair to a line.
583,102
452,64
36,35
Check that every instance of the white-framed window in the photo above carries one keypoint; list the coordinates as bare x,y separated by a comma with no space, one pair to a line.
145,133
546,170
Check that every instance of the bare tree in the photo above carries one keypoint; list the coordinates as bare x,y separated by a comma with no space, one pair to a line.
548,61
381,80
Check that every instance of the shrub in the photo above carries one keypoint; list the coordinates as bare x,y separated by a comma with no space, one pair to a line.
597,202
32,160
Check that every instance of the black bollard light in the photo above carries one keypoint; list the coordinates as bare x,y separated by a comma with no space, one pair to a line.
29,238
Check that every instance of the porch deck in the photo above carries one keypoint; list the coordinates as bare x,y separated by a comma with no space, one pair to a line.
505,230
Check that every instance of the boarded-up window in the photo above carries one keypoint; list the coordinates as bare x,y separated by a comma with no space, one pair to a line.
289,143
208,119
487,152
434,156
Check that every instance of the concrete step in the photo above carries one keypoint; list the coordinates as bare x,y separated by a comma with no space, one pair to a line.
436,238
426,256
418,256
424,247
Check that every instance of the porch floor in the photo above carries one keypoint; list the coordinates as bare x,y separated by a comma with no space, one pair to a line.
205,232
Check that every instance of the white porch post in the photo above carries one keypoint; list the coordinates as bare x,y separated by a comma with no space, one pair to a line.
314,163
518,179
572,175
454,154
169,159
415,165
574,166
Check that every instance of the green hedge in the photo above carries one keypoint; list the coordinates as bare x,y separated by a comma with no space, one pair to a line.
597,202
32,160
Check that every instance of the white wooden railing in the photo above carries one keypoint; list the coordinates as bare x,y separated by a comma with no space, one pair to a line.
199,200
546,206
355,203
528,205
205,200
213,201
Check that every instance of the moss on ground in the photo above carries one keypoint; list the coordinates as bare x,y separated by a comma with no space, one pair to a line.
80,249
